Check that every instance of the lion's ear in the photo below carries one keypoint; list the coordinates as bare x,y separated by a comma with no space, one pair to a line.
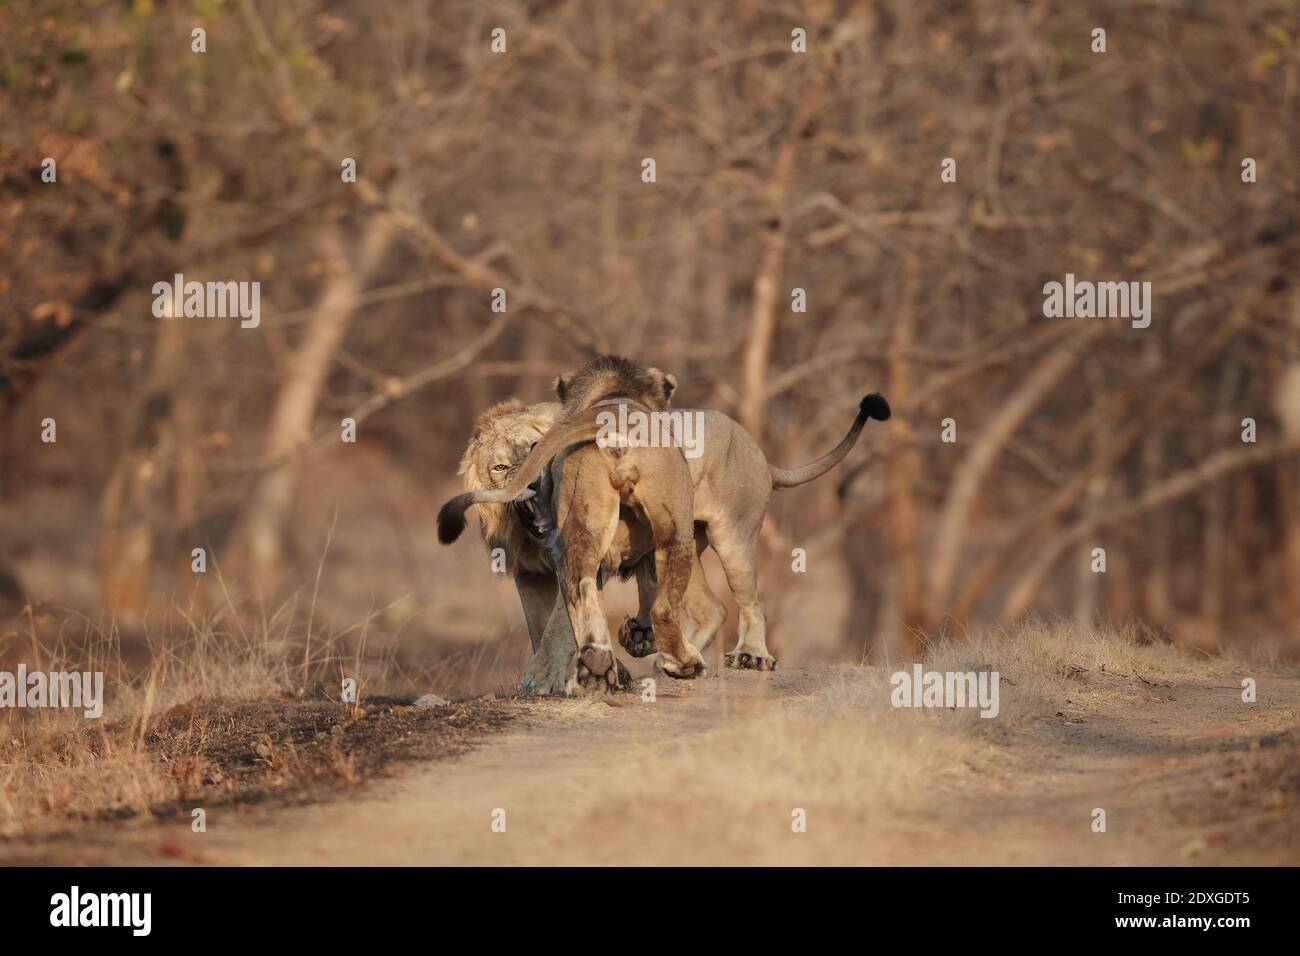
667,383
561,387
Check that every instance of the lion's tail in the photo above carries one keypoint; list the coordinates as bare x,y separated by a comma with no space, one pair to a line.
585,427
872,406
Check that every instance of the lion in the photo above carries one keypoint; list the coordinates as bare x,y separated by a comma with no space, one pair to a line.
733,486
600,509
503,436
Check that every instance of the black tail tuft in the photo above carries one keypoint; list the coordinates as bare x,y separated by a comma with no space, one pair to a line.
451,520
875,407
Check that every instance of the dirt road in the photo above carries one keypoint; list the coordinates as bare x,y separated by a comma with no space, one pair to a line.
816,766
717,770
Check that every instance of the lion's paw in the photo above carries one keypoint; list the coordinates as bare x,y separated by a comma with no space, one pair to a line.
637,639
692,666
744,660
546,681
599,671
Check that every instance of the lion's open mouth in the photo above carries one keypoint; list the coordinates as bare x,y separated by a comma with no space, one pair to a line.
535,514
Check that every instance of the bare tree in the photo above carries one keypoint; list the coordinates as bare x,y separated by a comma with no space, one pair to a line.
294,410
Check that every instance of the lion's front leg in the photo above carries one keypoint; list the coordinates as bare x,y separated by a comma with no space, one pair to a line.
537,595
637,633
551,668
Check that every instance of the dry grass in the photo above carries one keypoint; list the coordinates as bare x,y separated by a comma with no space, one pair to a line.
57,767
1046,665
850,759
866,773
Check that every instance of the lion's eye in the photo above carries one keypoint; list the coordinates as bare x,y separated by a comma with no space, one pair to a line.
500,468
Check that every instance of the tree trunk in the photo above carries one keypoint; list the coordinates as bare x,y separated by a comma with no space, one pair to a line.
130,505
261,535
1286,397
762,322
1087,581
1214,544
970,475
1155,589
904,466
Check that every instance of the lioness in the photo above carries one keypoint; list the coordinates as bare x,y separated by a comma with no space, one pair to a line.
733,485
601,509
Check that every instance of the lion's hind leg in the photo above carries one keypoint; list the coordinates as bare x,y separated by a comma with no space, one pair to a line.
740,564
674,555
702,613
586,531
